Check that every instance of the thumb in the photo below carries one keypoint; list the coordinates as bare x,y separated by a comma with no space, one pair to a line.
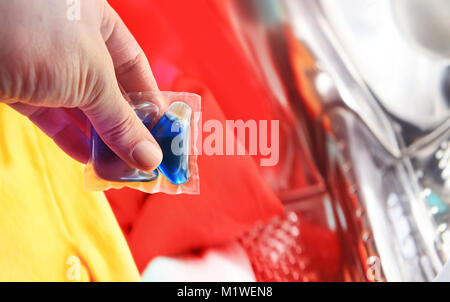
122,130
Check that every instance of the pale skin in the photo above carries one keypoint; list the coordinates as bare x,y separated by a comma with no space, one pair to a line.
62,73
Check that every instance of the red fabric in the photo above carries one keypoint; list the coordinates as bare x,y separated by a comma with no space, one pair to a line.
126,204
311,252
196,39
234,197
182,43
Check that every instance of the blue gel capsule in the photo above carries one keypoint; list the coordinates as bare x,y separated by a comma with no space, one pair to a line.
172,132
109,166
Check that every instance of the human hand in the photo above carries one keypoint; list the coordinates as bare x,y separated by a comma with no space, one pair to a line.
59,73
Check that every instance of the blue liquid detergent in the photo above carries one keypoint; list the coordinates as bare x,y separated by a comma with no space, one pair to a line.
109,166
172,134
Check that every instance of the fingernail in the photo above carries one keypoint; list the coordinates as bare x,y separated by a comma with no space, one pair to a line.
147,155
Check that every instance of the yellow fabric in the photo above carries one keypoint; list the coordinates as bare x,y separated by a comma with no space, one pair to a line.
50,228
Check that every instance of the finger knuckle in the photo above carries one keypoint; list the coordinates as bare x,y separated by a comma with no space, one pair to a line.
116,133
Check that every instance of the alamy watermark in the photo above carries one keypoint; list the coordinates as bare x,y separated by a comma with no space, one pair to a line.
73,272
255,138
73,12
373,272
